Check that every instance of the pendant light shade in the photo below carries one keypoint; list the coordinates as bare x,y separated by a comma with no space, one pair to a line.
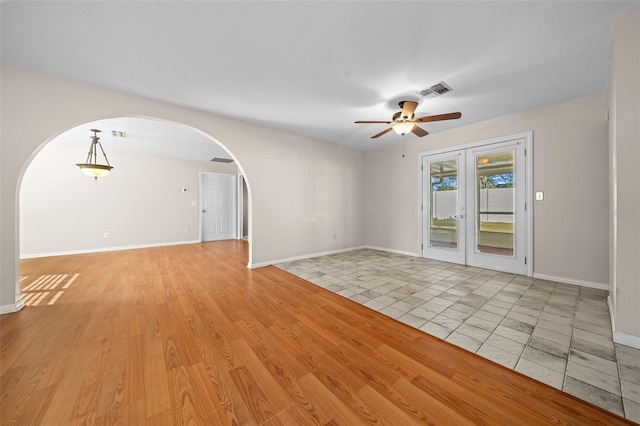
91,167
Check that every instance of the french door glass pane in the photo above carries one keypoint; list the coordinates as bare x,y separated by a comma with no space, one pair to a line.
495,203
444,204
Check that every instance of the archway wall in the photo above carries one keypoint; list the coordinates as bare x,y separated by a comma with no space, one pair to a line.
306,195
141,203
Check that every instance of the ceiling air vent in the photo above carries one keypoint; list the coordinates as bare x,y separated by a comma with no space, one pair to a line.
221,160
435,90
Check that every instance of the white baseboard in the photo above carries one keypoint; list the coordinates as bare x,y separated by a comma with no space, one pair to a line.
574,281
105,249
304,256
9,309
618,337
405,253
626,339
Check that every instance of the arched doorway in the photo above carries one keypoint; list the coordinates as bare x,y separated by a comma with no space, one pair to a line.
151,197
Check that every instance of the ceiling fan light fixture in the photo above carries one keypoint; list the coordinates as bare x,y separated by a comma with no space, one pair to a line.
403,127
91,167
405,121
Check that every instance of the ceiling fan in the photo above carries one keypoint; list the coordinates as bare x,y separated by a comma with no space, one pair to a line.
404,121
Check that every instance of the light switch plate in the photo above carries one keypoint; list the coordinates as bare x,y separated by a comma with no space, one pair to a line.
539,196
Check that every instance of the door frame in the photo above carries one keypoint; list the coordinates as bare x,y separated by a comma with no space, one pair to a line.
527,138
241,207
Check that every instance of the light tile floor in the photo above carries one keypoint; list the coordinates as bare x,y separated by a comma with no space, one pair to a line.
556,333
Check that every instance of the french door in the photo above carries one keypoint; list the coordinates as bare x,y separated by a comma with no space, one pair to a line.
443,207
474,206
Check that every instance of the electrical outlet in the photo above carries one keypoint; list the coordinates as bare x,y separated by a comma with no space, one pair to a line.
107,235
193,203
186,230
335,236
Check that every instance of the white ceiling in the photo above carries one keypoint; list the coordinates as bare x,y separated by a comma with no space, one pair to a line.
145,137
314,68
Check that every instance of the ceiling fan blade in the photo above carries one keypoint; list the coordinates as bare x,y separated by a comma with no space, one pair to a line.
449,116
373,122
382,133
408,107
418,131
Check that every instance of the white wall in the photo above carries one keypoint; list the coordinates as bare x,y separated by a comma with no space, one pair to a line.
570,166
302,190
624,167
139,203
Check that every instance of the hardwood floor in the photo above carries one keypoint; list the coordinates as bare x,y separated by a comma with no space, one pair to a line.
189,335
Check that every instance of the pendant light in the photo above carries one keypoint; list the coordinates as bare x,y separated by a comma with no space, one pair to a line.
91,167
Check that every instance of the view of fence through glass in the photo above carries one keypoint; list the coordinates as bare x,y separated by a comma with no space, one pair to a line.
495,203
444,204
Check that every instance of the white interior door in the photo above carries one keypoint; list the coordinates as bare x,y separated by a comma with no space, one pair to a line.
474,206
218,206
